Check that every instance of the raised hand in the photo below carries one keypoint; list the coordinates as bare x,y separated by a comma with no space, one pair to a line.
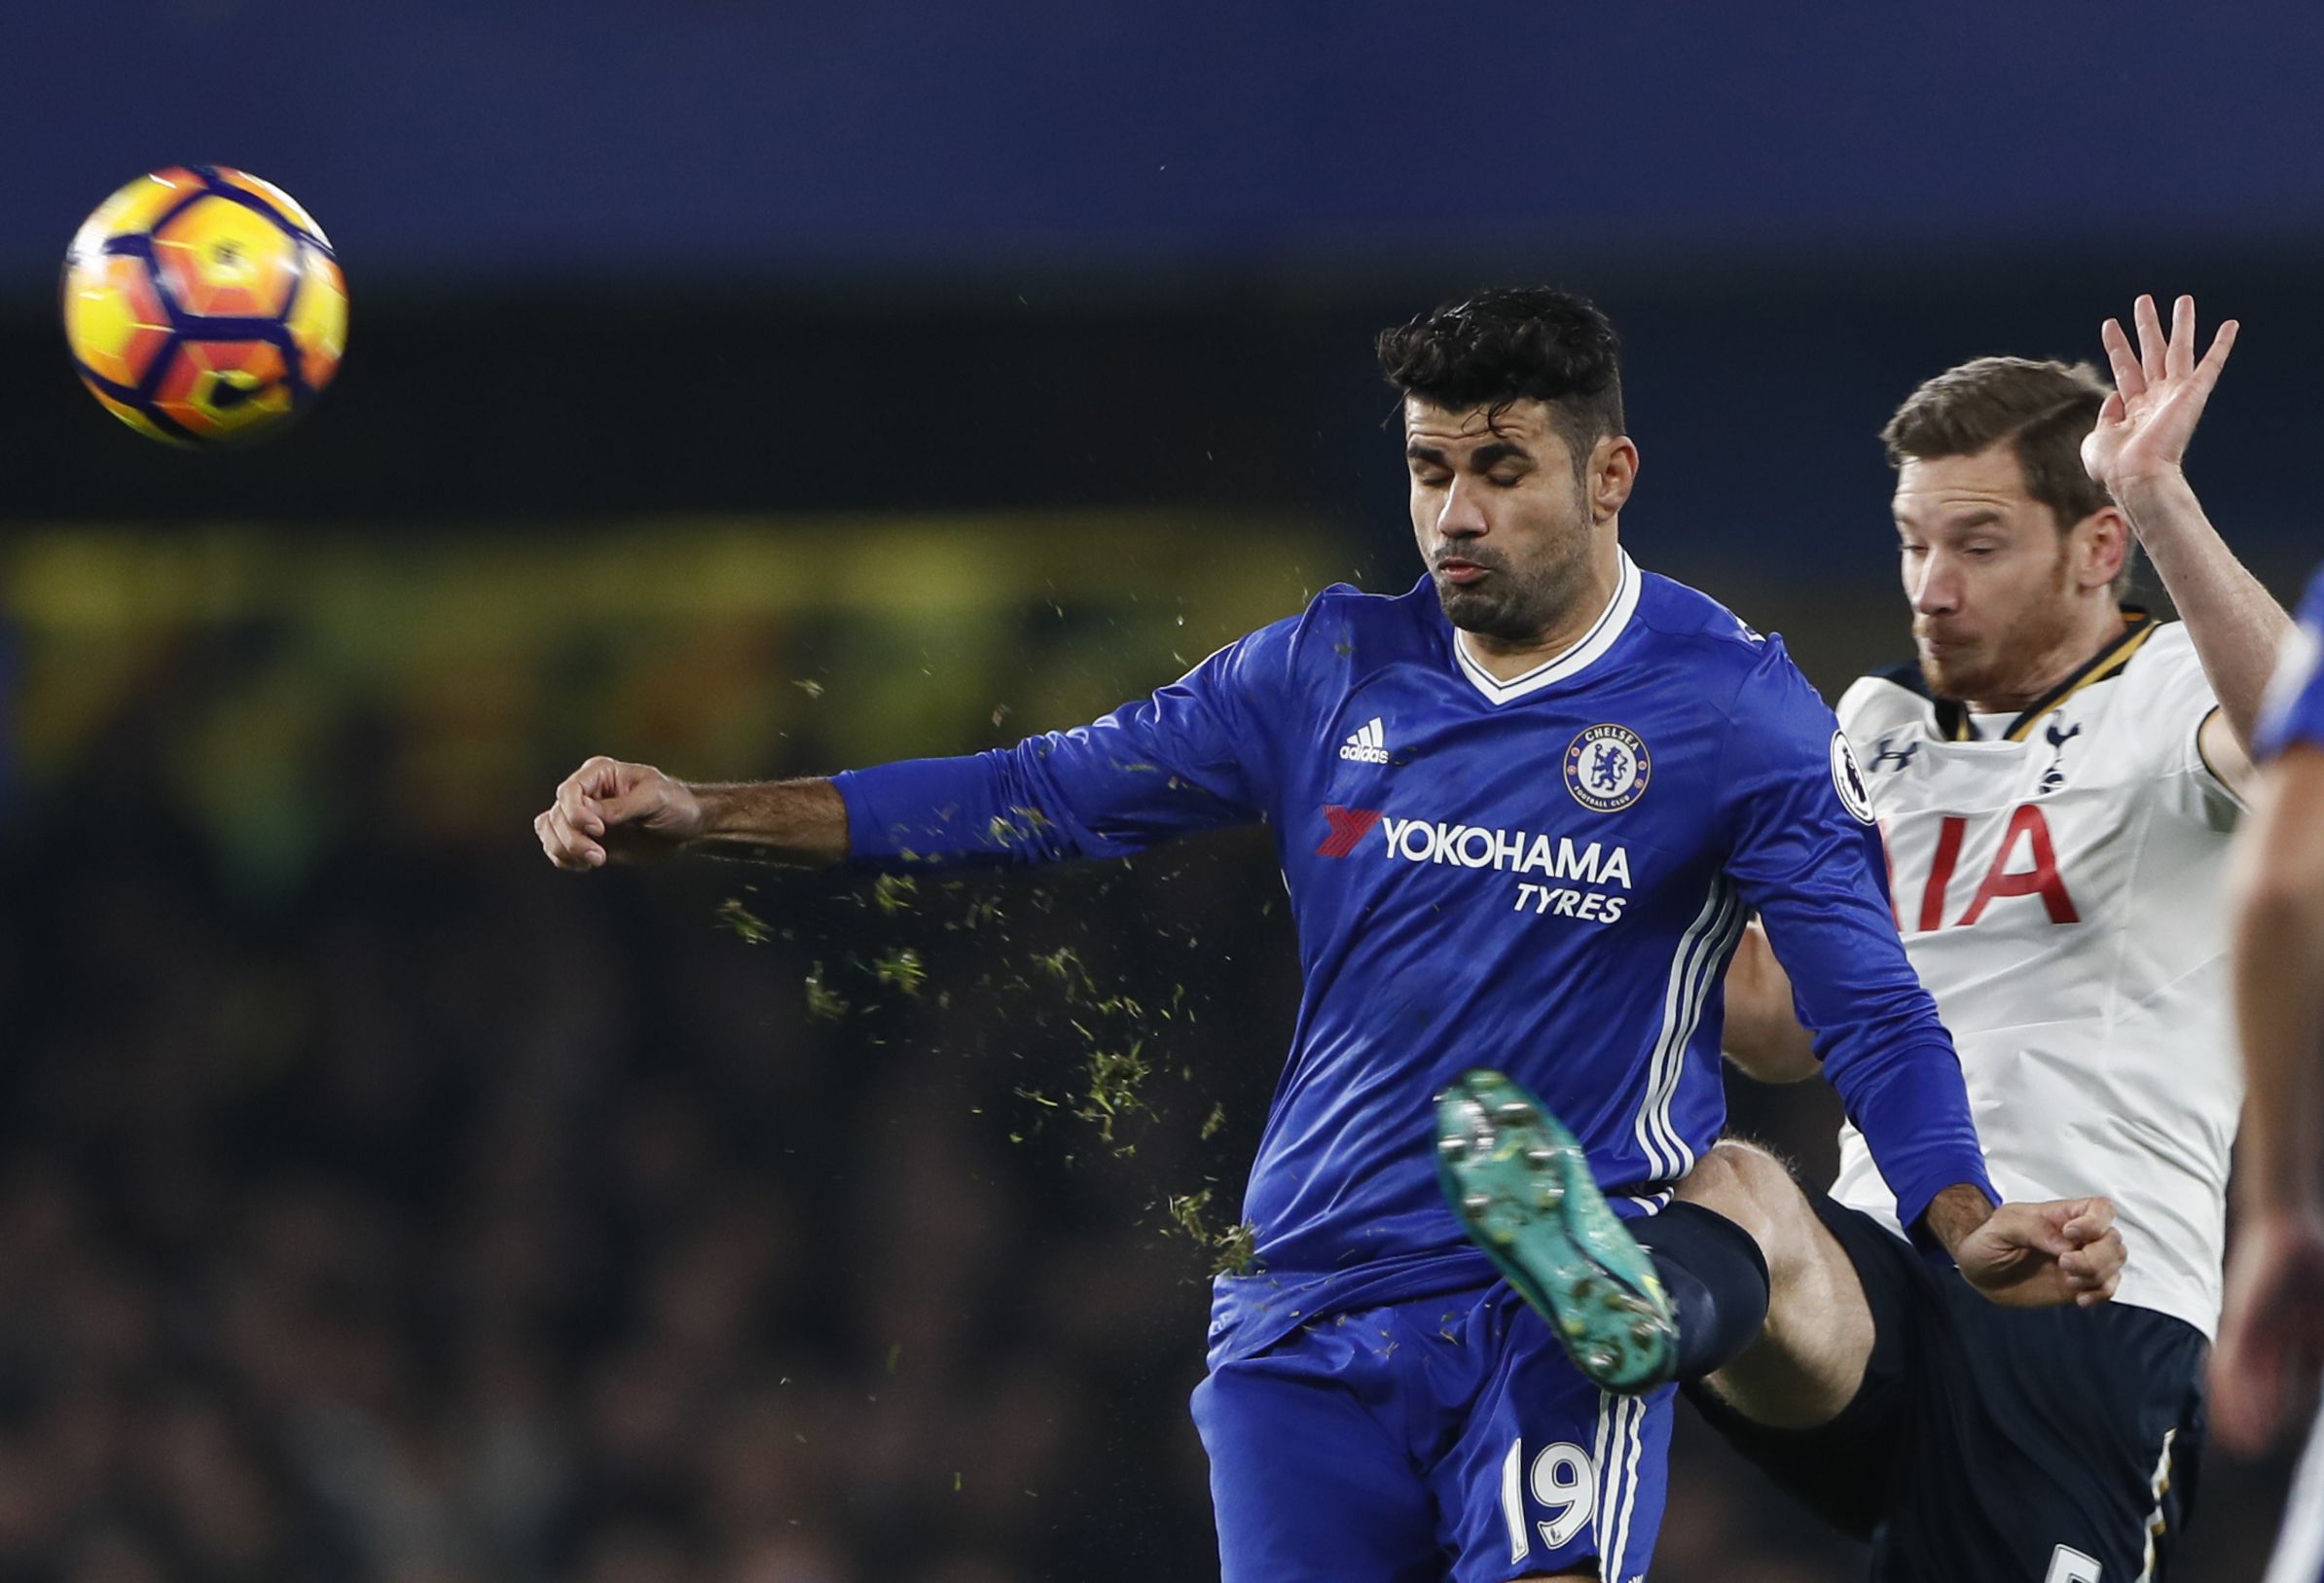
2158,394
2037,1255
608,812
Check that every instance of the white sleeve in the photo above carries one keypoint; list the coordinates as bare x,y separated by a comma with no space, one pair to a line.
2171,698
1879,716
1853,702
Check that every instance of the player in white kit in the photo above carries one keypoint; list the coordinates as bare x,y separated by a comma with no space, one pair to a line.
2056,779
2271,1336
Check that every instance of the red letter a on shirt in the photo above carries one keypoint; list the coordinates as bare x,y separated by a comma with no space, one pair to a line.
2041,880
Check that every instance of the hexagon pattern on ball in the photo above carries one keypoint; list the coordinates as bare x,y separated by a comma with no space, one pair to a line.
204,307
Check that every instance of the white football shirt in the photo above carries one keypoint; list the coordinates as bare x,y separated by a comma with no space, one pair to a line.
2058,880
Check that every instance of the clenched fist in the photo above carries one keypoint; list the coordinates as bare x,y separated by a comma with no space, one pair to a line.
2031,1255
610,812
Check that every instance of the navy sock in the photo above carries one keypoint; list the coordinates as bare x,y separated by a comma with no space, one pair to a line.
1716,1278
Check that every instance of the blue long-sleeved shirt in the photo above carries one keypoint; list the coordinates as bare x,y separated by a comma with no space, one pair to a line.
1546,876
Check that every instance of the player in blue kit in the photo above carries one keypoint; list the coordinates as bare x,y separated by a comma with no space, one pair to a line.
1522,810
2272,1334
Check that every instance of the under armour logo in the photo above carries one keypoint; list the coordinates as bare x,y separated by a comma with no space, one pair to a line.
1893,757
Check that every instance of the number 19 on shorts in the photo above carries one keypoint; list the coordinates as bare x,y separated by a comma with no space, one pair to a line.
1563,1483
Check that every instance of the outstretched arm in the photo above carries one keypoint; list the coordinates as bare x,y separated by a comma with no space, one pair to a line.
2138,452
1197,755
611,811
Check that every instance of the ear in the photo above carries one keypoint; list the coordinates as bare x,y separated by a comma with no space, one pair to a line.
1613,471
2101,547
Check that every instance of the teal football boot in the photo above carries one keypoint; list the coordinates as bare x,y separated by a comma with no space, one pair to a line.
1522,1186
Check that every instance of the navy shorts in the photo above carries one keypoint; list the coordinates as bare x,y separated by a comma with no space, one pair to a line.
1445,1438
2005,1445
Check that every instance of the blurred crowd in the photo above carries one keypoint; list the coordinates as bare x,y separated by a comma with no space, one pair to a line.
435,1217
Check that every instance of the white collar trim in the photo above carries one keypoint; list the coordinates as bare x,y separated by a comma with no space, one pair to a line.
1611,624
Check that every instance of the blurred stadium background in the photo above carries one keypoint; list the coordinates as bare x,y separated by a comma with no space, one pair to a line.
760,389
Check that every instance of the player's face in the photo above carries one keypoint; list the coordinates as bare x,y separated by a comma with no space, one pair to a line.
1502,519
1993,582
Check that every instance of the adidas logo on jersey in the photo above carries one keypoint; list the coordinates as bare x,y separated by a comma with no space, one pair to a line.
1369,745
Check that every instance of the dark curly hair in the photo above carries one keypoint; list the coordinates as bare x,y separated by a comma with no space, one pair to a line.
1498,348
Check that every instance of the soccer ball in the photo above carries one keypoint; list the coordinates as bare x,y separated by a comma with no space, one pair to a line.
203,306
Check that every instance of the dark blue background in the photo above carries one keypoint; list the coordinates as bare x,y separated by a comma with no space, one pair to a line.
709,138
726,255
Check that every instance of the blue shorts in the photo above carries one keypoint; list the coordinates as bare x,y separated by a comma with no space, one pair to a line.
1445,1438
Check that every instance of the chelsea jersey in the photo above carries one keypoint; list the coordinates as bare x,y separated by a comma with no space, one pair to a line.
1545,875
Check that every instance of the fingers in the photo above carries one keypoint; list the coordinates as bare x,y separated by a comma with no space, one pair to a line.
2085,1269
2178,354
2130,380
2206,373
573,826
566,846
601,778
2152,346
2093,1270
2094,1273
597,779
2040,1227
2162,356
580,808
2088,1219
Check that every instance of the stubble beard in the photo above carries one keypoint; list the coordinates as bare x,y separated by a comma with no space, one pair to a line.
2007,666
1511,608
1518,607
1956,681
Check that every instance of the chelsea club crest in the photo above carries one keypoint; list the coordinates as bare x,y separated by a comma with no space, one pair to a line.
1607,769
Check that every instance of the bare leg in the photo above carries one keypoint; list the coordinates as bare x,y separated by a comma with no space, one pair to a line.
1811,1354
